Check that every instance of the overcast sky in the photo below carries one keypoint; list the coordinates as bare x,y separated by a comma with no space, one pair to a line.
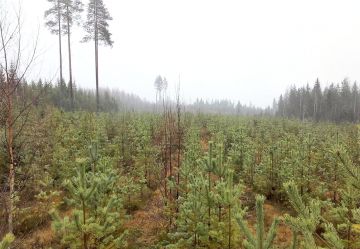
240,50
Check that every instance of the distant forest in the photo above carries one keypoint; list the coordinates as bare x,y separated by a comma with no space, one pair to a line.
336,102
115,100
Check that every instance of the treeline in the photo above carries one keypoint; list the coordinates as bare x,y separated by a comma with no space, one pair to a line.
57,95
84,99
335,103
226,107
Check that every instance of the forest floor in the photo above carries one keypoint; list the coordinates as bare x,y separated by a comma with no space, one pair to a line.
284,234
147,223
42,237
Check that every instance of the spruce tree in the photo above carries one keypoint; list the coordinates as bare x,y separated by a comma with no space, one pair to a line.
97,30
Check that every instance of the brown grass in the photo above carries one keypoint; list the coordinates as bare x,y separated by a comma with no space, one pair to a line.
148,223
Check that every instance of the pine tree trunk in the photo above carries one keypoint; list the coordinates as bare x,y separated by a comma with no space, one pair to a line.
97,60
97,77
84,222
348,237
294,241
229,243
252,171
219,213
70,64
335,184
60,49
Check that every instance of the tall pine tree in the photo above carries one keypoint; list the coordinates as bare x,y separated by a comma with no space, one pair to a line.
71,14
53,17
97,30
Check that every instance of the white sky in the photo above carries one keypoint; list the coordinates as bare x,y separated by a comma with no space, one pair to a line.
240,50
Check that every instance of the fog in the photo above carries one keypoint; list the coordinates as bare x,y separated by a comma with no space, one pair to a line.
239,50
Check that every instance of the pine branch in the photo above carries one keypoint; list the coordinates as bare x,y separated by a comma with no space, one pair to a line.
6,241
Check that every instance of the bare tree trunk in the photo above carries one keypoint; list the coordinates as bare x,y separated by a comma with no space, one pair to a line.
8,94
178,156
355,117
314,106
60,49
165,148
10,141
178,107
170,148
70,64
301,108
